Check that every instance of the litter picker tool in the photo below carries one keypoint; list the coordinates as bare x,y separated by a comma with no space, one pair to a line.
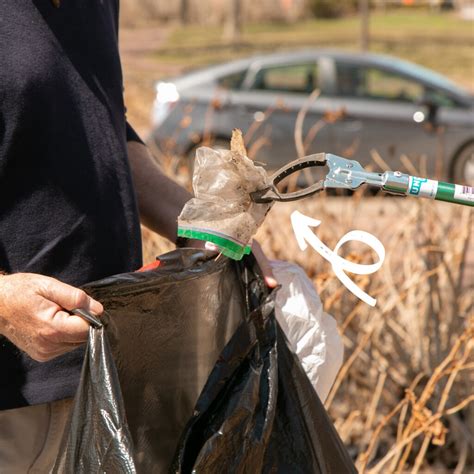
349,174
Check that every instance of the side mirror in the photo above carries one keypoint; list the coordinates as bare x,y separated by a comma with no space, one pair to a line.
427,111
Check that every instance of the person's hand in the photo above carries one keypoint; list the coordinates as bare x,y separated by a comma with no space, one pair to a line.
257,251
33,316
264,264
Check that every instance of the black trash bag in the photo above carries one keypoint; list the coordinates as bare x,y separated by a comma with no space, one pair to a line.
97,438
258,412
167,328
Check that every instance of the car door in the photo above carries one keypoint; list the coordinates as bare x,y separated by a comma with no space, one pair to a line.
270,101
383,113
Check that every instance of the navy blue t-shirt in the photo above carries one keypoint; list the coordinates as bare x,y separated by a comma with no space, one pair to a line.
67,205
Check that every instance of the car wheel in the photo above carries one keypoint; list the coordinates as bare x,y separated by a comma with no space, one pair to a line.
182,166
463,165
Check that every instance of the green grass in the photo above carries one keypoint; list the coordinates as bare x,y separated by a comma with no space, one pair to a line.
440,41
394,24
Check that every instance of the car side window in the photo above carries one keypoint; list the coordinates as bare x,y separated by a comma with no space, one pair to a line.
233,81
378,84
299,78
439,98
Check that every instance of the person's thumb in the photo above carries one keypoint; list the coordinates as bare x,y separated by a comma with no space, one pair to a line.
69,297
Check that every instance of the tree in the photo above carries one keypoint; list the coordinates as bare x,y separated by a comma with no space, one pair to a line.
184,12
364,24
233,29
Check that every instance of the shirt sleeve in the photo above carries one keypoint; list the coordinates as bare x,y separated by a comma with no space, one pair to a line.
132,135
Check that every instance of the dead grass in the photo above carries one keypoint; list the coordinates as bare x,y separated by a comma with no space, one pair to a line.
408,361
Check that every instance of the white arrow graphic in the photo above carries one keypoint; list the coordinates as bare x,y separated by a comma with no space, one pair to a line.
304,235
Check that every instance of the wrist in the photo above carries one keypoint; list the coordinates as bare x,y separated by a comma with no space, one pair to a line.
2,317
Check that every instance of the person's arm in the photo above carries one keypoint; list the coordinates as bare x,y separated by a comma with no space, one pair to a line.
160,199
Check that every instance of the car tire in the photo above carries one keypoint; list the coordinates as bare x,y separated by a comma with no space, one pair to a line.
462,171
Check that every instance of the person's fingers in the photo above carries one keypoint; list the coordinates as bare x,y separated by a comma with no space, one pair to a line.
69,297
71,329
271,281
264,265
67,328
53,352
211,247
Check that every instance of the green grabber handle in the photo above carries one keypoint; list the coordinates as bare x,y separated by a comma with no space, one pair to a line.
349,174
455,193
429,188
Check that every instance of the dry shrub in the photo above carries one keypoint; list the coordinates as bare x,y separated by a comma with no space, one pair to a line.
408,365
154,245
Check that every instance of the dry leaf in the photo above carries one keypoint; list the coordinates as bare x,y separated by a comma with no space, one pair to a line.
237,142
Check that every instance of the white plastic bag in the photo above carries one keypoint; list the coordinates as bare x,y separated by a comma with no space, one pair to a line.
312,333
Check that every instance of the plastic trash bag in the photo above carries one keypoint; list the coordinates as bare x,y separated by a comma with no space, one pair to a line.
312,333
169,329
221,210
166,328
258,412
98,439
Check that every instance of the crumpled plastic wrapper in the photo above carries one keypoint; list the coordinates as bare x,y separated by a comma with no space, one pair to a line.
221,210
312,334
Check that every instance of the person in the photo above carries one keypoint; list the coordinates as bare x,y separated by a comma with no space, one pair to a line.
75,179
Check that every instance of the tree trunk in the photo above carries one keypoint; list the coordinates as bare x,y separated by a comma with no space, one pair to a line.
184,12
364,24
233,29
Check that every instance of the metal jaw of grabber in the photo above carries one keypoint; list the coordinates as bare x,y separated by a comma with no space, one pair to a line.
271,192
349,174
